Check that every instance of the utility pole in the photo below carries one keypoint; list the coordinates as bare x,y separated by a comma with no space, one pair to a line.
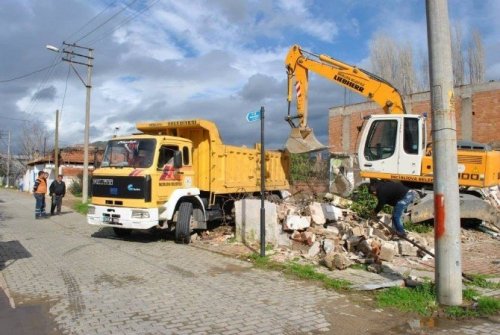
8,161
444,154
69,55
56,146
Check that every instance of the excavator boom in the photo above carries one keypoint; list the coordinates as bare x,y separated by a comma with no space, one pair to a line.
298,64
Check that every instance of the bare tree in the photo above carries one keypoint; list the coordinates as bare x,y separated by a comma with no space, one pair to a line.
393,62
34,140
423,71
475,58
406,72
457,55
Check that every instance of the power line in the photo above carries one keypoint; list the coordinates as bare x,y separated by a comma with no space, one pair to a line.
122,23
65,89
28,74
91,20
106,21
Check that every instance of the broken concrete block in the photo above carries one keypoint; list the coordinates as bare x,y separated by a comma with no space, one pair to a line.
317,215
365,247
308,237
328,246
380,234
357,231
314,250
341,202
331,212
284,240
341,262
296,236
352,242
388,250
407,249
296,222
375,268
247,221
333,230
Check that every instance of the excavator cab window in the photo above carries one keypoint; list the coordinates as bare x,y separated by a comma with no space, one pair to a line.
410,138
381,140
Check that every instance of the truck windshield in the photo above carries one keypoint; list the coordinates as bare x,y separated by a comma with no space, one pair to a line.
137,153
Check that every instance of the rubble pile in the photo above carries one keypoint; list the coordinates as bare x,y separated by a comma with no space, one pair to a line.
332,235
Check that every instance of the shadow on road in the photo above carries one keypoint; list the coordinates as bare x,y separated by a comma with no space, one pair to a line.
12,250
148,236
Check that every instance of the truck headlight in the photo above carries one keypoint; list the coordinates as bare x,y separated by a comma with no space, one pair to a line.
140,214
91,210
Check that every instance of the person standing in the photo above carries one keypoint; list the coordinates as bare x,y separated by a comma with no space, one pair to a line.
57,191
39,191
394,194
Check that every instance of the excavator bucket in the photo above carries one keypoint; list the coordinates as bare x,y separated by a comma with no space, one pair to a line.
302,140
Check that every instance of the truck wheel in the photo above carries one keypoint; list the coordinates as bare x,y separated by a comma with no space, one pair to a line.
122,232
183,225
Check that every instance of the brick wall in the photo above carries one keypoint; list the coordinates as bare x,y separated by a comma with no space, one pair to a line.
478,106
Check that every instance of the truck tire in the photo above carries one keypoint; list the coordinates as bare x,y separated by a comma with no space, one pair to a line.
122,232
183,225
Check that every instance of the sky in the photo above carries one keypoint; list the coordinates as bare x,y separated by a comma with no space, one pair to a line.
216,60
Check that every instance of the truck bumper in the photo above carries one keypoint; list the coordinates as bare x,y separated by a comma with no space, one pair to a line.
131,218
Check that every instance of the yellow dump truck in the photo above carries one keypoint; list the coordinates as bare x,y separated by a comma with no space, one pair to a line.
177,175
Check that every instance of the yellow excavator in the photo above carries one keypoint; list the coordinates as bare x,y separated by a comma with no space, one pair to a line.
393,145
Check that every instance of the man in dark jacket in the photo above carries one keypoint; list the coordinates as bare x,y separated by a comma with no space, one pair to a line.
57,191
394,194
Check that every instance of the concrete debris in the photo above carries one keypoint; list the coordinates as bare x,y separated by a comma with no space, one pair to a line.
296,222
328,246
314,250
388,250
407,249
332,213
317,215
370,287
329,233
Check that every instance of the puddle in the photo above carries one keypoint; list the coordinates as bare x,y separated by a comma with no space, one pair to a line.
26,320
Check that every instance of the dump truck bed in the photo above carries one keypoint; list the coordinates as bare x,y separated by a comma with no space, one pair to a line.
221,168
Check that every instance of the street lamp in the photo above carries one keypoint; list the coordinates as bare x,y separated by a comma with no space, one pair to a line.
69,58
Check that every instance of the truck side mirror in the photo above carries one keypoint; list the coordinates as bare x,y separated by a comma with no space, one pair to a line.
177,159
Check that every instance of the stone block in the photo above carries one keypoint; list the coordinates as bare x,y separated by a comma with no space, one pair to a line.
308,237
328,246
336,260
296,222
380,234
357,231
317,215
247,221
314,250
388,250
331,212
407,249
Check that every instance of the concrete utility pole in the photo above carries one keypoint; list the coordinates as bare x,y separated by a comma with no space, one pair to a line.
56,146
8,162
69,58
444,154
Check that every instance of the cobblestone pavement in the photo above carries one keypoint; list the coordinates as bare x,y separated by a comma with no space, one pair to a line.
94,283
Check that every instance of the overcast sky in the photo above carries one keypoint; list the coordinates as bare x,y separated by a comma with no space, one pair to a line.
217,60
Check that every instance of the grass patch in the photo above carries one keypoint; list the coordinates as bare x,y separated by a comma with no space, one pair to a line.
481,281
299,271
81,208
421,228
488,306
359,266
421,299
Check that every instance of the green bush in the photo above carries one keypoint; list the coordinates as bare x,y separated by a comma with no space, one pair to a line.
76,186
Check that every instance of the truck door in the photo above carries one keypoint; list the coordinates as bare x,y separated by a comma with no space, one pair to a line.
378,149
410,153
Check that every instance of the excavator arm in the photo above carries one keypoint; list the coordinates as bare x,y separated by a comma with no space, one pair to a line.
298,64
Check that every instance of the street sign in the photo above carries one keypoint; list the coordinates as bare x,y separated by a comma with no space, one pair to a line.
253,116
